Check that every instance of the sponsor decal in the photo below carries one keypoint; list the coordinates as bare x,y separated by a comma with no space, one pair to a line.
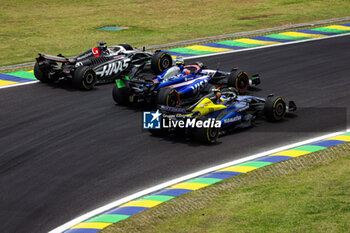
243,109
96,52
114,68
199,85
233,119
84,56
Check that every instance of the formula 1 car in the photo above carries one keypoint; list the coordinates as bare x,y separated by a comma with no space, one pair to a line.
100,64
229,111
188,83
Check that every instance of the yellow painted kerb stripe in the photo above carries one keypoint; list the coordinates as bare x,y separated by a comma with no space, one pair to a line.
300,34
292,153
31,71
340,138
339,27
242,169
6,83
253,41
207,48
146,203
191,186
94,225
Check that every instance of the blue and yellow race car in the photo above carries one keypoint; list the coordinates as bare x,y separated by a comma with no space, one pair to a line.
179,85
221,110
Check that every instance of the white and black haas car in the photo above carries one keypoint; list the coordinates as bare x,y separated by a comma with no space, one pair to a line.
100,64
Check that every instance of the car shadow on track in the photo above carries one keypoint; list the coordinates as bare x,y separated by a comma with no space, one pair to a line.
67,85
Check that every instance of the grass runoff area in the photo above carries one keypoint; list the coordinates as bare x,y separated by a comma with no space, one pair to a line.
305,194
70,27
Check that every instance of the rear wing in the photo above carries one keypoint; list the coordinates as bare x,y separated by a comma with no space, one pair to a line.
52,58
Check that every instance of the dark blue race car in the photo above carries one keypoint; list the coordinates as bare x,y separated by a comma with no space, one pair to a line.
179,85
221,110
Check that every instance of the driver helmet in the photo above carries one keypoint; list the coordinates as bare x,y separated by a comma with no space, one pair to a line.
223,98
179,61
186,71
218,96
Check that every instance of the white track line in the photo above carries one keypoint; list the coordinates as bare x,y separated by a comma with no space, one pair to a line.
233,51
267,46
19,84
116,203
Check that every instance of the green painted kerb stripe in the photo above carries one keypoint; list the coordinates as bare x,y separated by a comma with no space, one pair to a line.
331,30
110,218
347,134
238,44
189,51
255,164
203,180
22,74
285,37
156,198
310,148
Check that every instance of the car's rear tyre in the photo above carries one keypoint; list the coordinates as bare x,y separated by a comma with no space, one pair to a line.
126,46
84,78
160,62
40,75
206,135
275,108
168,97
121,95
239,80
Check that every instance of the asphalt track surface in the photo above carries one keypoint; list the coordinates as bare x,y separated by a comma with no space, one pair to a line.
66,152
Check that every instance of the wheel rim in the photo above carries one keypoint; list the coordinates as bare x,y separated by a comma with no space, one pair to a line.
279,109
165,63
213,132
243,82
89,78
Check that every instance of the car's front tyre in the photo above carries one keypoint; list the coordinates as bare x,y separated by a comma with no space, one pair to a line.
275,108
160,62
239,80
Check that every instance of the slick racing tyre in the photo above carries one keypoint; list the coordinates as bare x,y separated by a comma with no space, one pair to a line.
239,80
40,75
206,135
43,75
121,95
126,46
84,78
160,62
168,97
274,108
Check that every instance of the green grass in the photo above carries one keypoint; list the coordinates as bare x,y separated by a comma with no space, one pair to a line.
70,27
313,199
